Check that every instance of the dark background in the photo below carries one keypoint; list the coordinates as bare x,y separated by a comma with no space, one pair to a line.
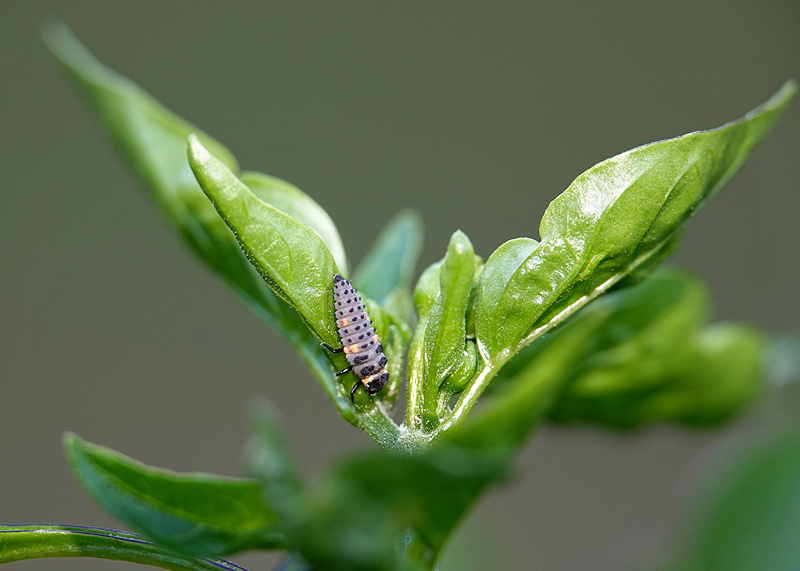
475,113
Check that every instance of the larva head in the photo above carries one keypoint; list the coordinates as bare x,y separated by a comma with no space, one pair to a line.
376,383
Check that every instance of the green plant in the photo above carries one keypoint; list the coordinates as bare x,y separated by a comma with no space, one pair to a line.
577,327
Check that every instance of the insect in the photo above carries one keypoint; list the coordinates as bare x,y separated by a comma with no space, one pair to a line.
361,345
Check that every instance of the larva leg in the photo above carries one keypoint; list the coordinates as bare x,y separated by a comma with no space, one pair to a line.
343,371
353,392
331,349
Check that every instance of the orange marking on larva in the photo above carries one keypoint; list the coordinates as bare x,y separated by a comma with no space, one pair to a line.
347,350
345,323
375,338
353,348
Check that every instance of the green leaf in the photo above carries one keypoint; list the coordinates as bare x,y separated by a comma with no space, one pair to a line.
427,290
746,516
611,221
425,294
463,373
152,139
369,503
725,377
290,256
651,359
197,515
495,279
341,525
22,542
430,493
510,414
652,328
270,462
291,200
660,314
389,265
650,335
446,324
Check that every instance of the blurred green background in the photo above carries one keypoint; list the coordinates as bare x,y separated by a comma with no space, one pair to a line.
477,114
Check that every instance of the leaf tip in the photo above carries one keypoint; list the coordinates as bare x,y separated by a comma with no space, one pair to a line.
71,444
195,148
787,90
69,439
261,409
53,32
68,49
778,101
410,217
199,159
460,242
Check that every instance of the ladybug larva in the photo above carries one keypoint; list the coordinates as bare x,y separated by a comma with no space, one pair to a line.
361,345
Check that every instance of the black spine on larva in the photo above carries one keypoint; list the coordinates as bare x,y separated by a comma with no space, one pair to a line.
363,349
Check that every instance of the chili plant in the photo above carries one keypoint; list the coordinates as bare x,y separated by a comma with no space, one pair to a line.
579,326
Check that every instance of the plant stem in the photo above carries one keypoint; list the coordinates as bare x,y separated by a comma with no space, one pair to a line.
375,421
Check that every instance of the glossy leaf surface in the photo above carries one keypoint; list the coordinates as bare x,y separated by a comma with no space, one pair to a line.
291,200
291,257
650,358
612,220
199,515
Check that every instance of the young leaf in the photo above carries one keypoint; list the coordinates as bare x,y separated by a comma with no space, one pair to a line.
389,264
446,324
290,256
427,290
659,312
297,204
649,359
611,220
425,294
702,379
152,139
463,373
495,278
723,379
649,337
198,515
511,413
21,542
270,462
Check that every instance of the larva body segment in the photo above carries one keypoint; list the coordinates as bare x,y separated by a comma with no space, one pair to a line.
360,343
